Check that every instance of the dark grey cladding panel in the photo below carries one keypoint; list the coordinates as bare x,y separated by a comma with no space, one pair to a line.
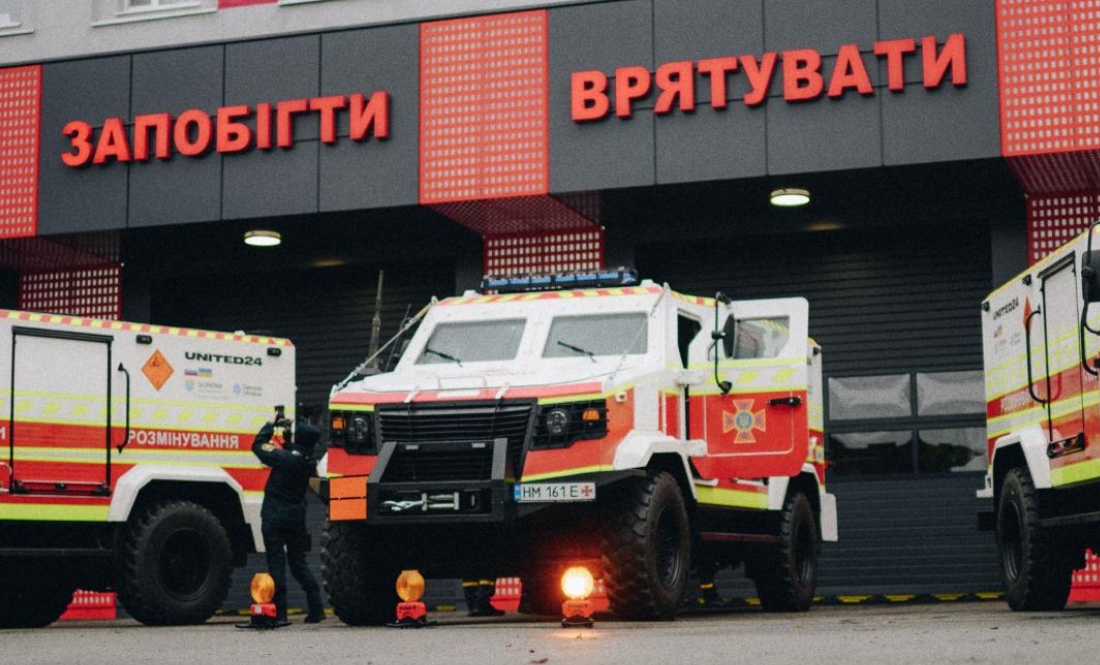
177,191
612,152
275,70
370,174
946,124
901,19
178,80
94,197
707,29
819,24
270,183
374,173
824,135
711,144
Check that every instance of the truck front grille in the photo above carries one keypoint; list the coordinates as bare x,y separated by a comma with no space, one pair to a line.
436,427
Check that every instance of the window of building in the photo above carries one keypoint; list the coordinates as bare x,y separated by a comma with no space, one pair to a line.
113,12
13,16
153,5
923,422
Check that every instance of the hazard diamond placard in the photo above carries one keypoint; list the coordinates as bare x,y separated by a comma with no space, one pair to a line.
157,369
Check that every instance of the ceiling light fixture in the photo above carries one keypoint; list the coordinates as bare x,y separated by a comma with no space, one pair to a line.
263,238
790,197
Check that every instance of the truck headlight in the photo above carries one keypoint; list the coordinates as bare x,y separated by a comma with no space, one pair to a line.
557,422
352,431
560,425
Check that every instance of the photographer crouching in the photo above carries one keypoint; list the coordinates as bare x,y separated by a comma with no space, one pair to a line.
284,510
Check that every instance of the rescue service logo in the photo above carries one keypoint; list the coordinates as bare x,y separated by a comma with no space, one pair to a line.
801,72
744,421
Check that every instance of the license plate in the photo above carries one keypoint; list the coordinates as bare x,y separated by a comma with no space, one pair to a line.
550,492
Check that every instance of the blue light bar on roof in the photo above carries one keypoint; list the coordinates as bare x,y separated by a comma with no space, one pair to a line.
582,280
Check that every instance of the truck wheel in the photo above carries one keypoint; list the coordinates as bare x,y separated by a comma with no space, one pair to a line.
175,564
647,549
33,599
786,574
359,584
1034,577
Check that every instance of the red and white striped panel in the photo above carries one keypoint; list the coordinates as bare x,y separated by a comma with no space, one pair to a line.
1055,219
93,292
567,251
1086,582
20,116
484,109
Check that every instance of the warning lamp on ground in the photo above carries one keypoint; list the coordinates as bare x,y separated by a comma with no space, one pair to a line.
577,583
790,197
262,615
411,613
260,238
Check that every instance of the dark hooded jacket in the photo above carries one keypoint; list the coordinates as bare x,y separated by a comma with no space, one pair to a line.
291,468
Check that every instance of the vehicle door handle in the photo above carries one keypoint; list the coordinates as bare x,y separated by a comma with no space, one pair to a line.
785,401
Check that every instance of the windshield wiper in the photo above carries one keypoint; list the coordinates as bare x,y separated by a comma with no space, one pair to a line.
577,349
445,356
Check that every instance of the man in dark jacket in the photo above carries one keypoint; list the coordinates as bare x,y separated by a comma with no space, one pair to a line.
284,512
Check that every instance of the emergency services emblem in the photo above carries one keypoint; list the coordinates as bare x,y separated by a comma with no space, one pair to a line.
744,421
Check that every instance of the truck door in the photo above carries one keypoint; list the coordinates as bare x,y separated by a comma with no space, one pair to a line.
59,412
1061,356
759,428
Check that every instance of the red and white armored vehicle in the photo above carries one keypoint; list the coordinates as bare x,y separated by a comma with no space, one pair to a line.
583,419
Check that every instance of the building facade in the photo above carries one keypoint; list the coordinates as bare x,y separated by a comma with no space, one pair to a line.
944,145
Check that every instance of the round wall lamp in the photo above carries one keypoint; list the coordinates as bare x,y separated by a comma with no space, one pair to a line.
790,197
263,238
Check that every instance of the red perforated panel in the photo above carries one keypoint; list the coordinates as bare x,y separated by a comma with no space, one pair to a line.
525,214
1086,582
20,110
1054,220
1049,75
544,252
92,292
484,108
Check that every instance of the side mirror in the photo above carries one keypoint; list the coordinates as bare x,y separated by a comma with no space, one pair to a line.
1090,276
729,337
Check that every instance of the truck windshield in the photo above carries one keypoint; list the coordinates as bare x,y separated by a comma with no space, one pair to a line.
474,341
597,335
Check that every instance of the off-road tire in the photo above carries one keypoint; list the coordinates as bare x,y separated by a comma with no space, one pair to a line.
646,549
174,565
786,573
361,587
33,598
1035,578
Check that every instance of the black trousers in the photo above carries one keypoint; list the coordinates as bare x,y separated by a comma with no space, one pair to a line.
289,545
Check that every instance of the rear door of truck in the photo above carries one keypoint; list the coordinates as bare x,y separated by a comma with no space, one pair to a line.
58,412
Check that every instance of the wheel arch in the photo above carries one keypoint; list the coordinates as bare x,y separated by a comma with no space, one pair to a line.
1025,448
214,489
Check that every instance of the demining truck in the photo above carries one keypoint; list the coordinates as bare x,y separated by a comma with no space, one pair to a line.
1041,334
125,463
551,421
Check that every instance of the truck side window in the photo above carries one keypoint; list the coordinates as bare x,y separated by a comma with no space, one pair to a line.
686,331
761,338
